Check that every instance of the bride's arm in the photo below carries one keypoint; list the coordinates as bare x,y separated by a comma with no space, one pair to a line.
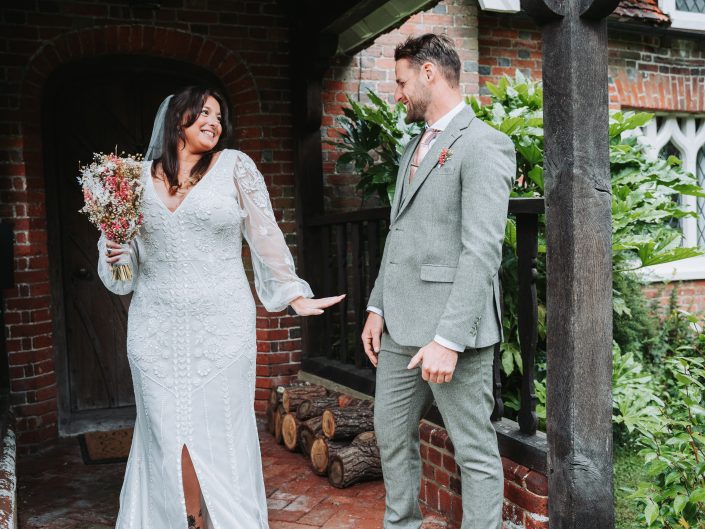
105,271
276,281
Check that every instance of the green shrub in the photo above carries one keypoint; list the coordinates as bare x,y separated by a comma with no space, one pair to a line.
674,451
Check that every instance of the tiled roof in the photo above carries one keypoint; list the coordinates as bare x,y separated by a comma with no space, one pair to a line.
645,11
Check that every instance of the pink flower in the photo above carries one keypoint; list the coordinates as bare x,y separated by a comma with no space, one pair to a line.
445,154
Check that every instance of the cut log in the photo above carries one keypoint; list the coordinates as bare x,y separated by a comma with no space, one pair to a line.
358,462
315,407
275,395
365,438
292,397
346,423
308,432
270,418
290,431
346,401
278,418
321,452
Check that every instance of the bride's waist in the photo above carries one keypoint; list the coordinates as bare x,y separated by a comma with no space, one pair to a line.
191,272
201,258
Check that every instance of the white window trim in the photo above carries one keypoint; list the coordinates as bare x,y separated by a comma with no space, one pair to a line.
689,141
501,6
682,19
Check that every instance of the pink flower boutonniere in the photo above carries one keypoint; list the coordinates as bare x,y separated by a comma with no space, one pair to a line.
444,156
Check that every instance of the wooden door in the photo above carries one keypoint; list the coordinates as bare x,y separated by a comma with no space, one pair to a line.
95,106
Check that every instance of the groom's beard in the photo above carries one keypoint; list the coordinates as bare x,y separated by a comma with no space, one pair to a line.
418,105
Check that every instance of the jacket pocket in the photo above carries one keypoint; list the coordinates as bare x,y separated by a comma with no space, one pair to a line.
438,273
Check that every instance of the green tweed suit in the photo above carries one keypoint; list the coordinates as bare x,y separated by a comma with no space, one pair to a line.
438,277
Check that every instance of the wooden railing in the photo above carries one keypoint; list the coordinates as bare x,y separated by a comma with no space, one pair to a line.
351,246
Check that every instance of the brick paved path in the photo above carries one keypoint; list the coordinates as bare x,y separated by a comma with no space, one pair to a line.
57,491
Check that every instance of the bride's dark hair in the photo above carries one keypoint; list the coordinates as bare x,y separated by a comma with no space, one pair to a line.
182,112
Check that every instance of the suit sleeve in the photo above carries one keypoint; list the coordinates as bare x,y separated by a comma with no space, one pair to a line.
487,175
375,299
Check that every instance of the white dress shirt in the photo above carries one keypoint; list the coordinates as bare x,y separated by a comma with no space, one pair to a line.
441,125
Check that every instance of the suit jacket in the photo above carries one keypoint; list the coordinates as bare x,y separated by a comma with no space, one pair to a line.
441,259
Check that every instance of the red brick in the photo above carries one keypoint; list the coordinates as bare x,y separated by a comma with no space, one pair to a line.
456,509
435,457
526,500
537,483
442,478
450,465
429,471
512,513
425,431
444,501
432,495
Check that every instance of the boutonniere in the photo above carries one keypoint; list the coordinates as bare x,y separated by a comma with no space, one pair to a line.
444,156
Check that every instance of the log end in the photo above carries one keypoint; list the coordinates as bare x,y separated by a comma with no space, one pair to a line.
290,434
328,424
336,473
319,456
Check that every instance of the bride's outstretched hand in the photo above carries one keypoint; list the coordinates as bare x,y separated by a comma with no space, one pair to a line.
312,306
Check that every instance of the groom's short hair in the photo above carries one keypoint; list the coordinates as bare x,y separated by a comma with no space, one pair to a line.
437,49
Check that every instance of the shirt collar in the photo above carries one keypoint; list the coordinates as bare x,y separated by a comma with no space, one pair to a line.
445,120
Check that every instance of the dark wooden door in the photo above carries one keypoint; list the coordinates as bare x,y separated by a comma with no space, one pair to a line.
96,106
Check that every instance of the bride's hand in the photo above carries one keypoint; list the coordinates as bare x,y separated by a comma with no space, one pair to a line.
312,306
114,250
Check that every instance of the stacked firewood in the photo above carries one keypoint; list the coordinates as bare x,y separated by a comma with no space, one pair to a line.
334,431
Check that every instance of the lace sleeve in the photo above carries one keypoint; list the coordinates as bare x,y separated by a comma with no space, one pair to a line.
276,281
105,270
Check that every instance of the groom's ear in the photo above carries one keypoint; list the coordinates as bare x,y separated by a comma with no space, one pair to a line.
429,71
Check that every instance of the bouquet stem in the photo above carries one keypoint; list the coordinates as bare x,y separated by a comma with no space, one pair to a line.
122,272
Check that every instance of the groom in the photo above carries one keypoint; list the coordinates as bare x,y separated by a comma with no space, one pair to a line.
434,310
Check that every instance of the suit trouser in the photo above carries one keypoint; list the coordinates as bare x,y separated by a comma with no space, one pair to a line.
401,399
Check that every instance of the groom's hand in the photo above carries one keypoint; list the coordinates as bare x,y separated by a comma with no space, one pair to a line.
371,336
438,363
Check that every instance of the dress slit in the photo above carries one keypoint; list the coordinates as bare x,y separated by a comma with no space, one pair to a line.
207,521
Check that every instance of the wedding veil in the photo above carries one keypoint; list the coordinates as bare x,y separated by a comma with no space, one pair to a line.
156,142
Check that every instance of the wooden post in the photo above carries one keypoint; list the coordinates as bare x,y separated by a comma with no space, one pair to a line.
310,55
579,260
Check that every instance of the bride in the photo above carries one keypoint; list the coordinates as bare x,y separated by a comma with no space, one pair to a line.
191,342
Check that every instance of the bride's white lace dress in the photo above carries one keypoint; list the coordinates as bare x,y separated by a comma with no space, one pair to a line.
191,346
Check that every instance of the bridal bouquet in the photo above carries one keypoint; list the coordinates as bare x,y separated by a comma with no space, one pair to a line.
113,193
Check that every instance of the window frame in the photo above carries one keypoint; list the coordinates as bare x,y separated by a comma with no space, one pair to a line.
688,139
686,20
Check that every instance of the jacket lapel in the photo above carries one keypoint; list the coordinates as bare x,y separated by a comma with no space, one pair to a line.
402,184
445,140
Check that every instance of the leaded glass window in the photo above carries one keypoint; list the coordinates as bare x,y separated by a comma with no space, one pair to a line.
692,6
671,150
683,136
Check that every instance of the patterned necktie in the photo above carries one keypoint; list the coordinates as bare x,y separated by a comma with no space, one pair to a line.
424,145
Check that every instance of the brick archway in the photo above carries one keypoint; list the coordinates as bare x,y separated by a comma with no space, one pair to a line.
30,348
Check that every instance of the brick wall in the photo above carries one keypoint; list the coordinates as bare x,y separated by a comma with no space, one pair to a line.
507,43
525,490
244,43
657,73
373,68
646,71
690,294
